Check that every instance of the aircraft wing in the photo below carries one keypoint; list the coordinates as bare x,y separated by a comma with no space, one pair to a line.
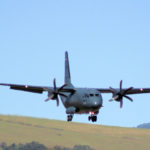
132,91
34,89
27,88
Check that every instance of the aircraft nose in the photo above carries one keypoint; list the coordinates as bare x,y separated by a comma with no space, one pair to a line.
96,104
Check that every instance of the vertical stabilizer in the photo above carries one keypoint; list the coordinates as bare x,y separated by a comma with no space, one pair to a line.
67,70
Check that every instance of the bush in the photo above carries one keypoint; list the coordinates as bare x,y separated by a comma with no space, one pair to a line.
37,146
28,146
82,147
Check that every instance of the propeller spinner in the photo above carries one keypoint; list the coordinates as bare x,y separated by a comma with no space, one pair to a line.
118,94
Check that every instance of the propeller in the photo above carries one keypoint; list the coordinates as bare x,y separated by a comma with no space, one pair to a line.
53,94
119,94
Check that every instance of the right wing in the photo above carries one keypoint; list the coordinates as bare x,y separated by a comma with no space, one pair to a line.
27,88
34,89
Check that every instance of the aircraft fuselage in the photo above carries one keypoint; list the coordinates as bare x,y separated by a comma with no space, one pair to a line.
83,101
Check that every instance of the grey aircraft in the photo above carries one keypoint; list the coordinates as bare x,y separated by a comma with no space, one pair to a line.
80,100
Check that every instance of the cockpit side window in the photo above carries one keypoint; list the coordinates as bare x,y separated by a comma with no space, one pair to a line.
97,95
86,96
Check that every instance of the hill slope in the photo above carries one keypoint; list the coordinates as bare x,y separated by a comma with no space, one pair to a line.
144,125
51,133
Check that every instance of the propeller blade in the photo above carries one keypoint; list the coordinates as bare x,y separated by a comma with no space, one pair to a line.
129,98
63,95
47,99
62,87
50,96
111,100
120,85
54,82
115,97
130,88
121,103
57,101
112,89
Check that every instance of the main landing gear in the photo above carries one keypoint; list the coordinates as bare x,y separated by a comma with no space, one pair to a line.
93,118
69,117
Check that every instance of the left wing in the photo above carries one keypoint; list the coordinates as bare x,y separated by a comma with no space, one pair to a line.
120,93
125,91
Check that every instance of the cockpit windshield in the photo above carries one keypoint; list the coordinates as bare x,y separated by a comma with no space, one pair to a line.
91,95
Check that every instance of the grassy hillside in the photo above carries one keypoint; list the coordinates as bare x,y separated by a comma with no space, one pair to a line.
14,129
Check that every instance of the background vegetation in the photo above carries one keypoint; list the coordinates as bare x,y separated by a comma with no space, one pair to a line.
37,146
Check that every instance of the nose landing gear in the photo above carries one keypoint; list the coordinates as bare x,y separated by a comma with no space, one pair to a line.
93,118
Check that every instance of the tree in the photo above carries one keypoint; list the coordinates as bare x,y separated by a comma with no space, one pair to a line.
82,147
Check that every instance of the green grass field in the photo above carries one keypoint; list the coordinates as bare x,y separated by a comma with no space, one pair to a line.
14,129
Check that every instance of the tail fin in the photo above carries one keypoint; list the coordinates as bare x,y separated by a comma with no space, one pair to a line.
67,70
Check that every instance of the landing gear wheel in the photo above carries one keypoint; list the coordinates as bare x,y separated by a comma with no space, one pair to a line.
89,118
93,118
69,118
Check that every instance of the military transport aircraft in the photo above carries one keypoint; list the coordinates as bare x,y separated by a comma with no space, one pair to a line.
80,100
